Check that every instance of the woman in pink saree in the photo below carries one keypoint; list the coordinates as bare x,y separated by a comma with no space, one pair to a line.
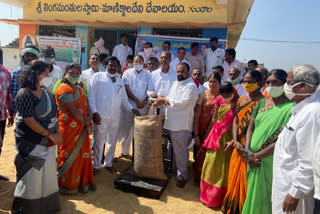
214,177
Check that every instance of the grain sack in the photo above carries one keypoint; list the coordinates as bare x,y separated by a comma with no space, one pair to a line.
148,160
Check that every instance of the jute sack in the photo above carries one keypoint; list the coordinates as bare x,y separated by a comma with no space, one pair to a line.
148,160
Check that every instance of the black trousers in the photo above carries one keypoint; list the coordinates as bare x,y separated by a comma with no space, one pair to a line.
316,206
2,132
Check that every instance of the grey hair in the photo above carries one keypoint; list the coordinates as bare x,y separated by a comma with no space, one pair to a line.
306,73
167,53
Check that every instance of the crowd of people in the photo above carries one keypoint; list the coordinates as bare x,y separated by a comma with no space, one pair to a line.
256,133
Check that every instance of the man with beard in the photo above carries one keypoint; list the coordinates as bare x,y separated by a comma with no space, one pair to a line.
181,101
27,55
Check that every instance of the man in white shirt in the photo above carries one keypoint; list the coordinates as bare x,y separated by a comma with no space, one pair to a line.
56,73
138,84
235,79
292,188
106,95
153,64
213,56
181,58
181,101
219,70
231,62
252,64
122,50
94,63
163,77
196,76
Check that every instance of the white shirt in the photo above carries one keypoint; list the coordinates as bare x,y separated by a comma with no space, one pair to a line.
176,62
206,84
106,97
241,90
55,74
182,98
316,169
292,161
162,82
140,84
227,67
86,76
202,88
213,59
121,52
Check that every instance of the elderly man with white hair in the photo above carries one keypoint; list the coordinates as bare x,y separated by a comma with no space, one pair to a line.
292,189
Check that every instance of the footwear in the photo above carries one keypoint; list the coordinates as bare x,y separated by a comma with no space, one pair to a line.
96,171
181,183
111,169
122,156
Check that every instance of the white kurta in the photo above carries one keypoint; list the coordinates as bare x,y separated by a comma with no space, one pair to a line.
86,76
55,74
176,62
292,163
227,67
202,89
122,52
162,82
182,97
106,98
213,59
140,84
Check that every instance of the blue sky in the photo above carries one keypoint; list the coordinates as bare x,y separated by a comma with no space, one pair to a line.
289,20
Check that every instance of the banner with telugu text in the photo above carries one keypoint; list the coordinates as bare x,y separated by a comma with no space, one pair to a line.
67,49
151,11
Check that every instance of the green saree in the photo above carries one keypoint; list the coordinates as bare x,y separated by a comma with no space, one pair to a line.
269,122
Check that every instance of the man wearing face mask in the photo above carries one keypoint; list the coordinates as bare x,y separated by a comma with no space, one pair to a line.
56,73
292,188
181,101
195,59
231,62
99,47
106,95
147,52
196,76
94,63
139,85
28,54
123,50
235,79
180,58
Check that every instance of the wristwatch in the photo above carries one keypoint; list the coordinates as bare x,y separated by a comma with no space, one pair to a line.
245,153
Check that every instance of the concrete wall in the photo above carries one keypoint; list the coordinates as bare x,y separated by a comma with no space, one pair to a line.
11,58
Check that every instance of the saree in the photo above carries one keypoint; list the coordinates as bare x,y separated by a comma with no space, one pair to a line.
75,158
269,122
214,177
36,190
207,106
237,184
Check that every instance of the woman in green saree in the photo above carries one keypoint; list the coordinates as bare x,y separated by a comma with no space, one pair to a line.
268,119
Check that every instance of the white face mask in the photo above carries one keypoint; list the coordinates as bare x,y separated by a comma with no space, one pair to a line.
138,67
49,60
46,82
275,91
290,94
111,75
